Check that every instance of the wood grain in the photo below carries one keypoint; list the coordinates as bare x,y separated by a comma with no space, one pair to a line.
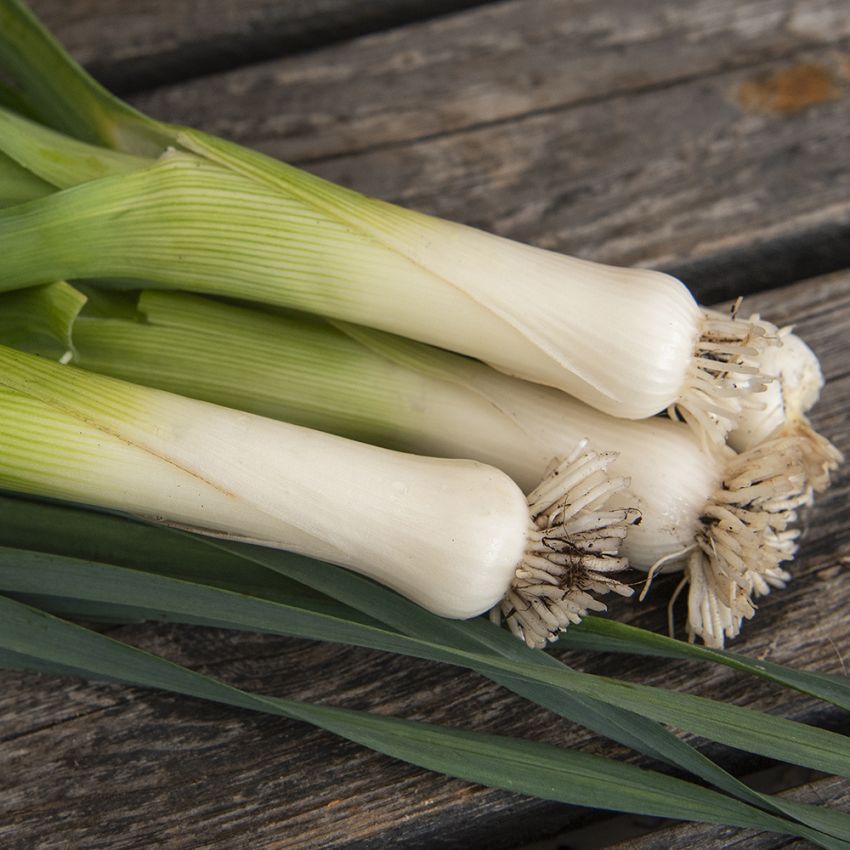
495,64
708,137
132,46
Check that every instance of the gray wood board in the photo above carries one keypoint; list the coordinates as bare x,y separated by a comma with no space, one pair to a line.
133,46
93,766
708,138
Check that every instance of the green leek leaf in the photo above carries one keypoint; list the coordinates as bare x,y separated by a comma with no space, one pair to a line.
58,159
40,319
18,185
45,577
595,634
56,91
770,736
35,640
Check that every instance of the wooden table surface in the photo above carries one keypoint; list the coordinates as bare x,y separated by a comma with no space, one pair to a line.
708,138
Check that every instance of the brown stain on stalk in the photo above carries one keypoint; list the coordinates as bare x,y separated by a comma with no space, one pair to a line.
789,90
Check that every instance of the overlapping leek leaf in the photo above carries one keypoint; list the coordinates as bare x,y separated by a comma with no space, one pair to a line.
292,367
18,184
770,736
30,639
57,159
41,319
84,535
432,638
595,634
54,90
23,572
724,723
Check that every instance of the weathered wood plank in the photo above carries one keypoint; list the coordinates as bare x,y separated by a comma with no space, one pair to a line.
132,46
494,64
144,769
675,137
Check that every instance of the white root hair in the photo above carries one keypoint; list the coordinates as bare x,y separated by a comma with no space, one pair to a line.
818,456
744,537
572,549
725,374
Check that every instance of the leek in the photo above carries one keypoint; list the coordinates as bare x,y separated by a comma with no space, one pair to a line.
722,517
215,218
455,536
48,85
56,159
134,427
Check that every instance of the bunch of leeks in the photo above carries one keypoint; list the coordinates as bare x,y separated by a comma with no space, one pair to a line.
97,191
213,218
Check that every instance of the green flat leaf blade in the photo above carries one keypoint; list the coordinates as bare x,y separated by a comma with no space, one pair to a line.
751,731
771,736
514,764
595,634
32,572
55,90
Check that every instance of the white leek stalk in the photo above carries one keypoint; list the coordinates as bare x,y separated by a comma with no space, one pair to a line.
455,536
222,220
723,517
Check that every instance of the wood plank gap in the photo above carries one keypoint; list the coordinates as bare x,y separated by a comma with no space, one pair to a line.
767,264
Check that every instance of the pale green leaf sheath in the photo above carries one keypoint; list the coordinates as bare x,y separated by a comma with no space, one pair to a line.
725,518
57,159
17,184
41,319
456,536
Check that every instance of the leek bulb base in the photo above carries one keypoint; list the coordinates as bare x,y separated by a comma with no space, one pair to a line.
819,456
